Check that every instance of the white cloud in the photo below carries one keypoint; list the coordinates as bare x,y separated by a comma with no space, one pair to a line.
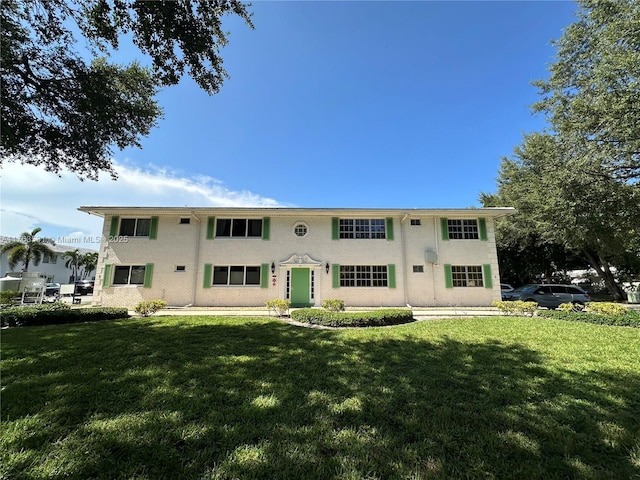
31,197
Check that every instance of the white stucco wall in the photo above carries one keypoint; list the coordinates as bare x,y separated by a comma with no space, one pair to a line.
187,245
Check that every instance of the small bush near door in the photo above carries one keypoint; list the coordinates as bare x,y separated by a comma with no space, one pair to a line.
149,307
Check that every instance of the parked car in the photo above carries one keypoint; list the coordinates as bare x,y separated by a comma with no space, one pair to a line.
84,287
550,296
505,288
52,290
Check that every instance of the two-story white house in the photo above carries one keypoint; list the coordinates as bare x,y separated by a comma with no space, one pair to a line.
247,256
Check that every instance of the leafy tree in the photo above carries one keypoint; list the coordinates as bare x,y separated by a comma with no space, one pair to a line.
26,250
89,262
592,96
559,205
60,110
74,261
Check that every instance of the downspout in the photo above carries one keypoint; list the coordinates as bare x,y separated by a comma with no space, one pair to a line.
405,285
197,258
433,265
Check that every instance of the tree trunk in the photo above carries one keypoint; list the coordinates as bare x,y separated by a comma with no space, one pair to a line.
603,269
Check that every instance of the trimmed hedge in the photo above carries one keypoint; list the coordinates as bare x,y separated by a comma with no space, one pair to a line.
57,313
375,318
630,318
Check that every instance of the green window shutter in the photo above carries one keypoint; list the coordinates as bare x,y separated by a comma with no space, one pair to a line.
444,226
113,231
335,272
389,228
106,275
153,231
266,228
264,275
486,270
207,276
391,275
211,223
148,275
482,227
448,276
335,228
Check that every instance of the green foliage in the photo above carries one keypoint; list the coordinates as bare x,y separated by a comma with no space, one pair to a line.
26,250
375,318
516,307
57,313
9,297
591,96
195,397
67,108
630,318
149,307
279,307
569,307
333,304
606,308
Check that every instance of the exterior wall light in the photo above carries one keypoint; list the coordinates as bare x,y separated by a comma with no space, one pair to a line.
327,267
273,268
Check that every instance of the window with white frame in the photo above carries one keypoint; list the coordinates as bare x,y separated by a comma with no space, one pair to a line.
362,228
463,229
300,229
238,275
363,276
129,275
416,221
239,227
467,275
135,227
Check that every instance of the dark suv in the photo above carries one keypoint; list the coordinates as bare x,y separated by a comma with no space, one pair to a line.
550,296
84,287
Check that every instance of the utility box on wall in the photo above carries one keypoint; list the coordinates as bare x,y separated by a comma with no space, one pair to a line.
430,256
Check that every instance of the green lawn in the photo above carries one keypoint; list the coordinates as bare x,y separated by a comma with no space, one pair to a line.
226,398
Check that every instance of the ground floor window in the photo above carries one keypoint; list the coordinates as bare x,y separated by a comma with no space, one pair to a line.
236,275
363,276
467,275
129,275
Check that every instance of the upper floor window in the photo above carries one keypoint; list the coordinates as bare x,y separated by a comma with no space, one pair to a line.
238,227
416,221
362,228
463,229
135,227
46,258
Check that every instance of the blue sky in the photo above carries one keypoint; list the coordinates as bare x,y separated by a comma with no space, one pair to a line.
330,104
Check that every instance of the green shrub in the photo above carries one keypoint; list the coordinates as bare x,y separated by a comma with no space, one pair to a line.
375,318
333,304
606,308
149,307
279,307
57,313
9,297
628,319
517,307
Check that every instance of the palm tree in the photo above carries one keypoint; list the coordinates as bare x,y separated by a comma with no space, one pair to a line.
90,262
74,261
26,250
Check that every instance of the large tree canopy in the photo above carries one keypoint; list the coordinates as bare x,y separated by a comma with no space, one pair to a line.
592,96
595,218
61,110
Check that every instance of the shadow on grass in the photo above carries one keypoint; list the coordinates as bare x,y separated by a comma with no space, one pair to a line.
262,399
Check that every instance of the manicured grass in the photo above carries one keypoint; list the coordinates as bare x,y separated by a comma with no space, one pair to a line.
225,398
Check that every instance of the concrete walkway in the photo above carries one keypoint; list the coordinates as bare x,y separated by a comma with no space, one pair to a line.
418,312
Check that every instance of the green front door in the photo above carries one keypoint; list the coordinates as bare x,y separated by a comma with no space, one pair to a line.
300,287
